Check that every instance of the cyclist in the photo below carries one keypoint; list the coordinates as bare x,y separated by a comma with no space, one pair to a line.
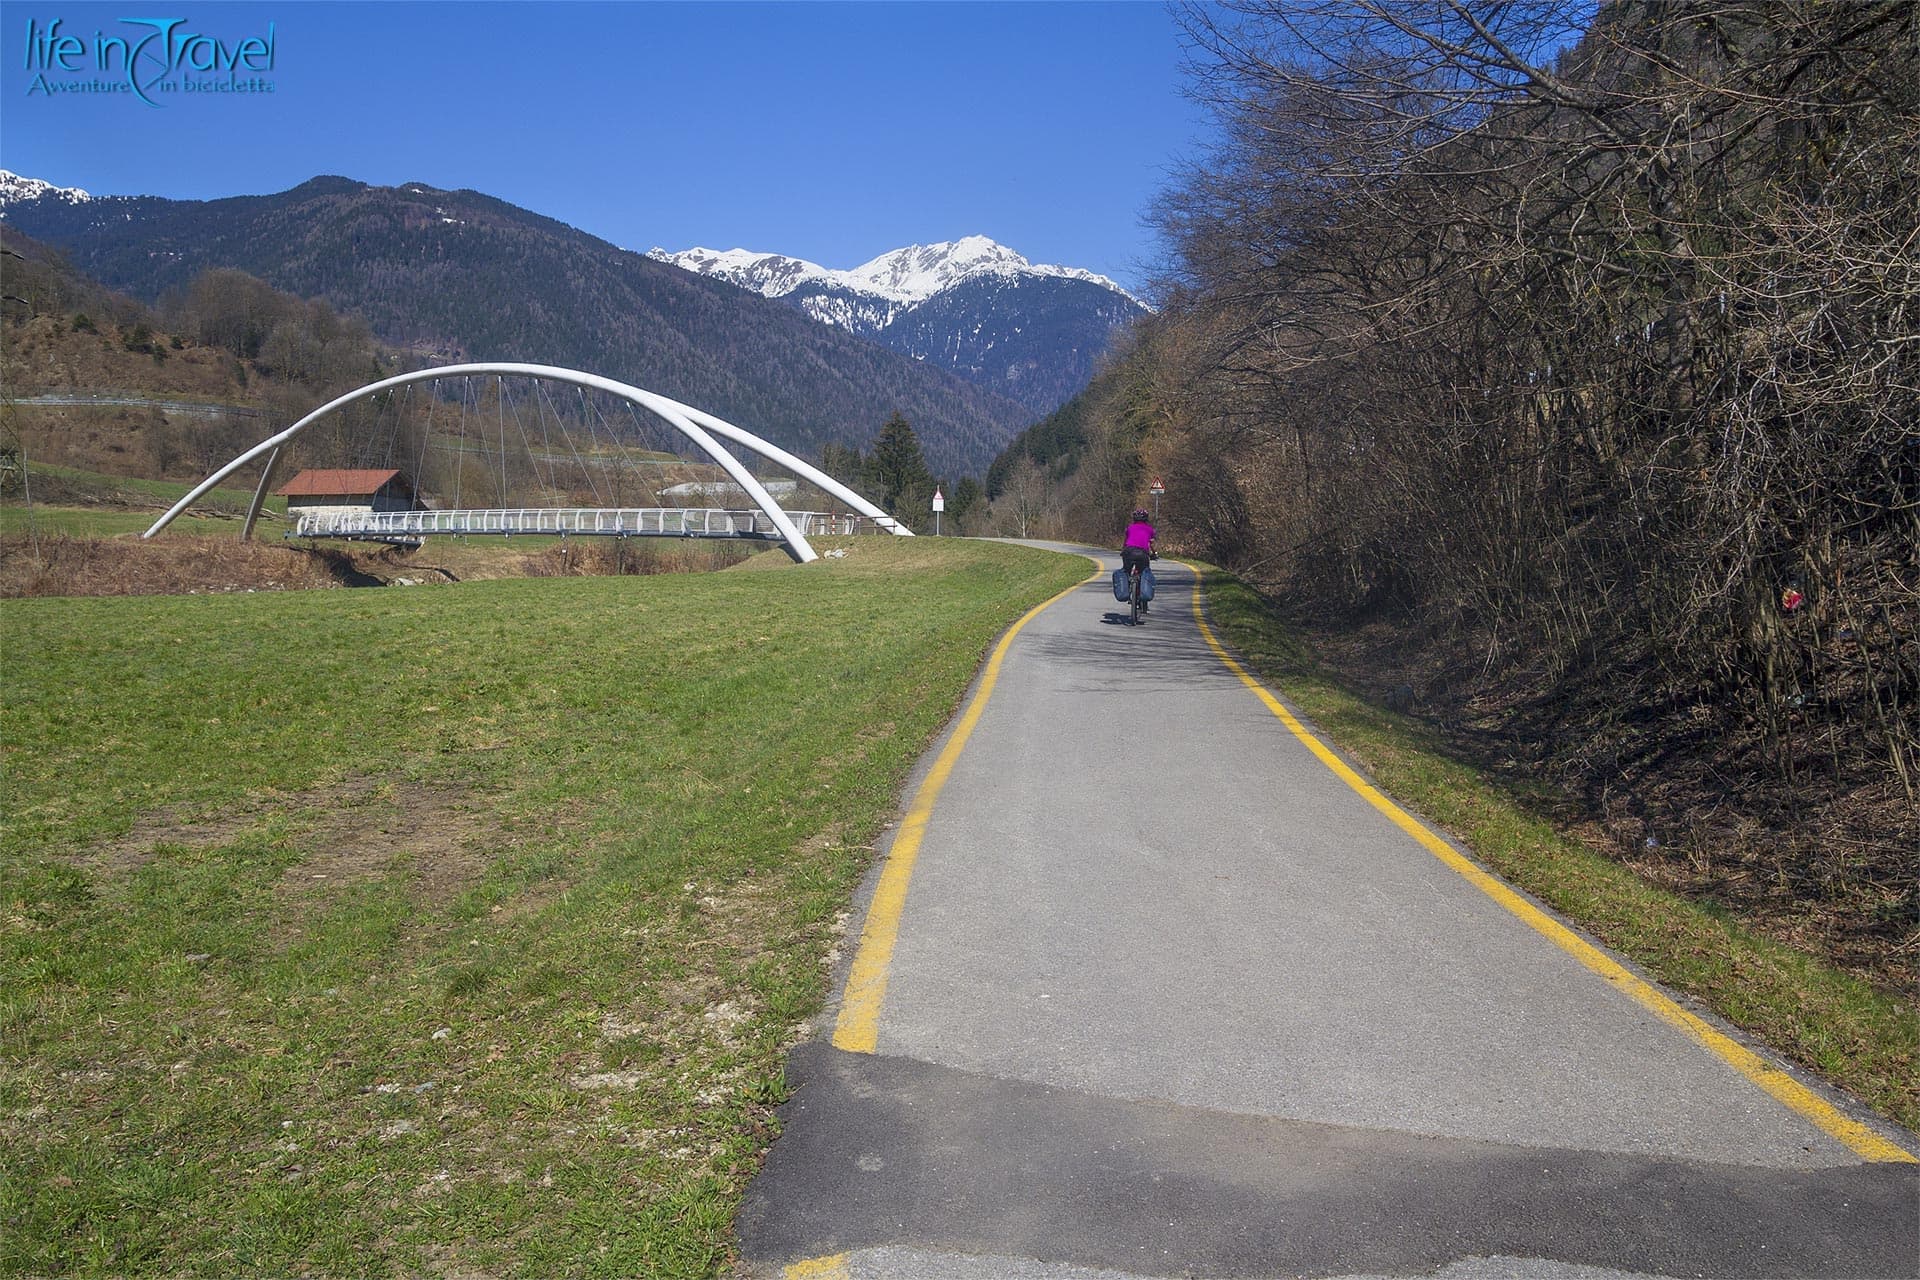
1136,549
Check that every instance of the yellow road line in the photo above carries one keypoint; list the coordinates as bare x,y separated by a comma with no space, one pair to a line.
858,1028
1862,1140
831,1267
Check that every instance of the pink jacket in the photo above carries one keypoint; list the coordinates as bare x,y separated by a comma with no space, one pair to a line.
1139,534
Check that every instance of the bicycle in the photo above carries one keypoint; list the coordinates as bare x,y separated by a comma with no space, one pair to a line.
1135,553
1136,599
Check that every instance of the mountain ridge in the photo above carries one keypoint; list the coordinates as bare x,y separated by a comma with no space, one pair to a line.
464,275
911,274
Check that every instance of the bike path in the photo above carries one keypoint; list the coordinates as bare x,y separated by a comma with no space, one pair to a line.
1169,997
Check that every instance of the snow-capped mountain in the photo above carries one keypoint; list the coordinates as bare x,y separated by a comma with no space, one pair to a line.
908,275
1028,330
919,271
14,187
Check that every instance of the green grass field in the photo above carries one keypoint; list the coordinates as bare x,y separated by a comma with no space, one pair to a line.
88,504
1862,1038
458,931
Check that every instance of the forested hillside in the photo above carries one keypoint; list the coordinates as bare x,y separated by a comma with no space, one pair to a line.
1033,339
1569,378
227,339
459,275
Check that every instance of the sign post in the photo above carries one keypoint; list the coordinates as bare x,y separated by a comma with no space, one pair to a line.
1156,489
939,505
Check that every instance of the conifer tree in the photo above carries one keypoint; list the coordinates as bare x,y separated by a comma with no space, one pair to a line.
896,474
966,496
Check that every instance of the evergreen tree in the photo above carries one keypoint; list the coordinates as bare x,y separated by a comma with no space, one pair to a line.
966,496
896,474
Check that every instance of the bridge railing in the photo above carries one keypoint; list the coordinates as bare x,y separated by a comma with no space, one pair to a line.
620,522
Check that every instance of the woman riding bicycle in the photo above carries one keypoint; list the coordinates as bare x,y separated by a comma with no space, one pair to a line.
1136,549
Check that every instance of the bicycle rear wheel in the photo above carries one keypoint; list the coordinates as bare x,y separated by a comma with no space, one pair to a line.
1133,595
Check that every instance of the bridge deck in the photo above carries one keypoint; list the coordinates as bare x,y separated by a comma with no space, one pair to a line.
616,522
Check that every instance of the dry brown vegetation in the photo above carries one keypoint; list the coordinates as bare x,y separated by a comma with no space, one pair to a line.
46,354
355,829
136,441
177,564
60,565
228,340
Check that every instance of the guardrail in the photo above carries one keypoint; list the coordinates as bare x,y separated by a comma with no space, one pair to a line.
614,522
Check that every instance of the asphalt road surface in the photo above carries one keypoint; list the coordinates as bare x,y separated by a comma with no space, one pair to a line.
1165,995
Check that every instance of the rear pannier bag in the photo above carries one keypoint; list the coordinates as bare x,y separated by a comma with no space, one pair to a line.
1120,584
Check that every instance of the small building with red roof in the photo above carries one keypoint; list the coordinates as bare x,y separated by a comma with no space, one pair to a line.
354,491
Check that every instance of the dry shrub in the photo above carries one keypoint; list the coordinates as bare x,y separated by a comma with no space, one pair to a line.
62,565
612,557
68,566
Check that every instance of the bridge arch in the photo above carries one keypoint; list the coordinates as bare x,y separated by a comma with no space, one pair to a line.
697,425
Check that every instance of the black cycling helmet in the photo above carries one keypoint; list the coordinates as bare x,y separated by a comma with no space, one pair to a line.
1140,514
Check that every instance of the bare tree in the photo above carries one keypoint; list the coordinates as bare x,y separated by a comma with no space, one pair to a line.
1024,507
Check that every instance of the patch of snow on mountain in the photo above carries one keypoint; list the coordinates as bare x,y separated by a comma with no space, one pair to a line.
860,313
15,187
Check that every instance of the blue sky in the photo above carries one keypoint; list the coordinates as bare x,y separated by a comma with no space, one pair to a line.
829,131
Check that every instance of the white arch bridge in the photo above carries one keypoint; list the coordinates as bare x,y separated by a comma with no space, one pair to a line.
766,522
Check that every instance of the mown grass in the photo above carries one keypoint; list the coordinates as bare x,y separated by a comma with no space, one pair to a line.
1862,1038
451,931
